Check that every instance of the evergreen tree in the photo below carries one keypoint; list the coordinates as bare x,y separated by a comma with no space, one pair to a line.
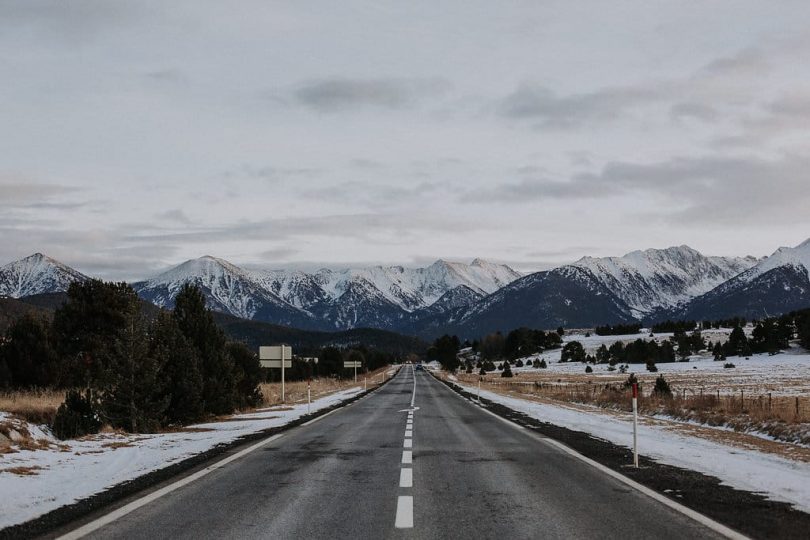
507,370
445,351
573,352
602,354
219,374
133,395
249,369
27,354
662,388
183,381
87,324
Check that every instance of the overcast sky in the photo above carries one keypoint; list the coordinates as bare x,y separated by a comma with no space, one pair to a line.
135,135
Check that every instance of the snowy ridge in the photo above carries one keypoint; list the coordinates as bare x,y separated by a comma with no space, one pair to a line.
777,284
663,278
227,287
408,288
36,274
797,257
378,296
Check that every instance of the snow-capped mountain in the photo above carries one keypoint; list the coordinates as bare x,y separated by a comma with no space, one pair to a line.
227,288
472,299
36,274
656,279
408,288
568,296
378,296
777,284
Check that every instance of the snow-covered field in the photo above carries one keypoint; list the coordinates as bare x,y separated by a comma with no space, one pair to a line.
784,374
779,478
105,460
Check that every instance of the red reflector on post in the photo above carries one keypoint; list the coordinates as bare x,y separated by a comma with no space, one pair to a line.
635,390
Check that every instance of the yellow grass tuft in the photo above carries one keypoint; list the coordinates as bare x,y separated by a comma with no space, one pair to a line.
34,406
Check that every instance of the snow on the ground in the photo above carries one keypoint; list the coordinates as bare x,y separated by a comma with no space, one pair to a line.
779,478
94,465
787,373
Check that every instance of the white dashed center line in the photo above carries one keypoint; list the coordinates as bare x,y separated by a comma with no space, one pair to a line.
406,478
404,519
404,512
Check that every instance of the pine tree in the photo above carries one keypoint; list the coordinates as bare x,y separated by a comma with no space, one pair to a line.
219,374
247,364
507,370
132,395
85,327
183,381
27,354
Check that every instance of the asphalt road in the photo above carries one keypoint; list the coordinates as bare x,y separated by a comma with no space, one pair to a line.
467,474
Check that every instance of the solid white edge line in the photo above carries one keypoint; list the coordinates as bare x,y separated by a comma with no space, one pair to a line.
404,519
666,501
407,457
143,501
406,478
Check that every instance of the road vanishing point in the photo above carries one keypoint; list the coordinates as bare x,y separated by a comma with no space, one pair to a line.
410,460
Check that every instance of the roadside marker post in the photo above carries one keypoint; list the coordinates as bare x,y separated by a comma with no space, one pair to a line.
635,425
479,390
309,395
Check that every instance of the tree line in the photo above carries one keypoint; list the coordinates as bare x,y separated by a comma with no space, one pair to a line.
142,369
494,347
127,368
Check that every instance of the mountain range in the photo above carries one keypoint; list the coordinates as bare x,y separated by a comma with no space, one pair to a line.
476,298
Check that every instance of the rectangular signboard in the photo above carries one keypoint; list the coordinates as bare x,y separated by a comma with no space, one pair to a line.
275,363
274,352
352,364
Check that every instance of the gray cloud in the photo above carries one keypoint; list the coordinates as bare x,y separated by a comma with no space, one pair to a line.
373,228
176,215
337,94
540,104
723,81
705,189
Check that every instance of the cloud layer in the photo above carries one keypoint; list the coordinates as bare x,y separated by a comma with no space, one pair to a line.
139,134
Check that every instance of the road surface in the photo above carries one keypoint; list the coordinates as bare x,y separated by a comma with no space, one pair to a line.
412,460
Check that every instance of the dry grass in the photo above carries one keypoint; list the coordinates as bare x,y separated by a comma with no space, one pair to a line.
296,392
785,418
35,406
22,471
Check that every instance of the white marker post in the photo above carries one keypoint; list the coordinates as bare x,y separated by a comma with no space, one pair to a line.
282,374
479,390
635,425
309,395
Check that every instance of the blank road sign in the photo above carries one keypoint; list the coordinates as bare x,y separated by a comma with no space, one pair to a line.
274,352
275,363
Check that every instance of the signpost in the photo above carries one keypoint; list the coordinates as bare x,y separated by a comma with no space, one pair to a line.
348,364
274,357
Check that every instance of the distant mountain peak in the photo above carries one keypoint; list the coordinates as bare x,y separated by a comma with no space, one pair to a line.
36,274
662,278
